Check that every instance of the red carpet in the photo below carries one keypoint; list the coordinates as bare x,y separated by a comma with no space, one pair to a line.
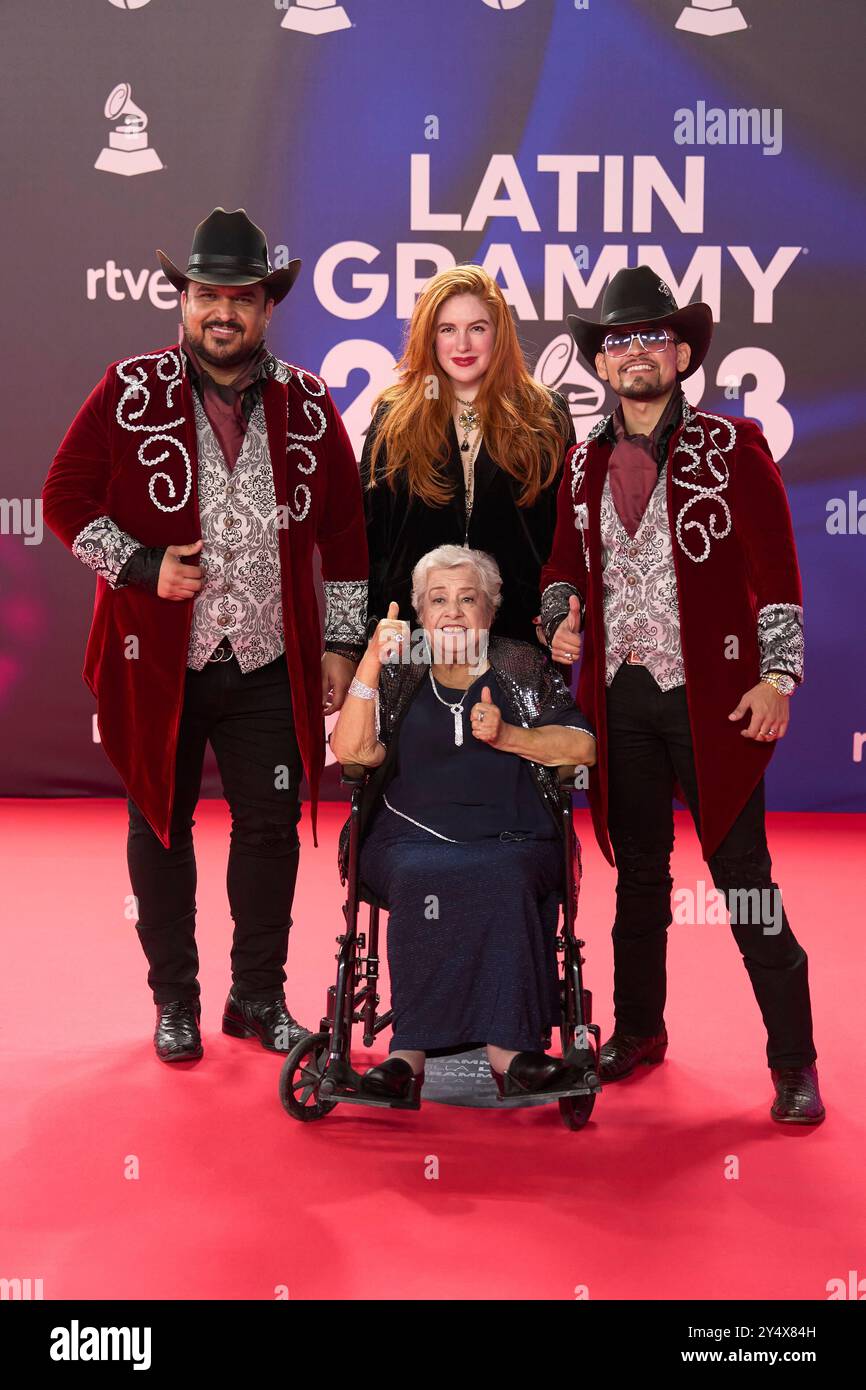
235,1199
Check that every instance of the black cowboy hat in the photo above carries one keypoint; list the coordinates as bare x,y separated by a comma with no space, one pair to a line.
228,249
639,298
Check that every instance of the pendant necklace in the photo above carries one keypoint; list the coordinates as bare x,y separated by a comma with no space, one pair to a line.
468,420
456,709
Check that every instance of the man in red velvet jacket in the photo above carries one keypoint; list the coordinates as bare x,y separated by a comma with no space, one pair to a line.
196,481
674,560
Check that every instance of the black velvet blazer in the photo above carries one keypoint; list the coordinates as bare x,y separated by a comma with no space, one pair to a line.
400,530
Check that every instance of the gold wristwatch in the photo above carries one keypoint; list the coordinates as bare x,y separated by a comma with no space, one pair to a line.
786,685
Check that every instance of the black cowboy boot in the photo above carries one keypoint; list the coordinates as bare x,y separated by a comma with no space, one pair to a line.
177,1037
623,1052
798,1100
270,1022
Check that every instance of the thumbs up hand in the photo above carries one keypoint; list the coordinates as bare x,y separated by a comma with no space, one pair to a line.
390,641
567,639
485,719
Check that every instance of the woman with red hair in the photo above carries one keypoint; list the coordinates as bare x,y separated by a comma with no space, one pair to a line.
466,449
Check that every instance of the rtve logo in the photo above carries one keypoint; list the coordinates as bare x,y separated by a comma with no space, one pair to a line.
119,282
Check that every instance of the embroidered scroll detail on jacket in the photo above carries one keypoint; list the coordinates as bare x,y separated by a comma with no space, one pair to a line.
578,473
300,441
706,476
169,370
780,638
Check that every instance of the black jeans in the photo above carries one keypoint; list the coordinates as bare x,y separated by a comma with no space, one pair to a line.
649,748
248,720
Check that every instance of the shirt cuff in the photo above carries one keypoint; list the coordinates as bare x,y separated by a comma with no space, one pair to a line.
780,639
142,569
352,651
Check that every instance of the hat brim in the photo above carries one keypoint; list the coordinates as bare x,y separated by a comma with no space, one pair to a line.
278,283
693,323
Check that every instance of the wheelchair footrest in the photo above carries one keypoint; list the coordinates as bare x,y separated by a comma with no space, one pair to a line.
516,1102
353,1098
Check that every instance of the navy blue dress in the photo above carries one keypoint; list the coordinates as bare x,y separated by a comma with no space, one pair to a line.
470,862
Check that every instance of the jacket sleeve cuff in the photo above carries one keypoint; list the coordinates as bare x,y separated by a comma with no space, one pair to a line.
104,548
345,612
780,638
554,606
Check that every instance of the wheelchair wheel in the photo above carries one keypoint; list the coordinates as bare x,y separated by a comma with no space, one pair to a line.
576,1110
301,1076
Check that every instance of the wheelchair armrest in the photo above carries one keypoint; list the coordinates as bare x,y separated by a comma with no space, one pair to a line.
353,774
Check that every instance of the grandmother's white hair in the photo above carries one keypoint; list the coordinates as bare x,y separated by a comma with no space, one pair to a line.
449,557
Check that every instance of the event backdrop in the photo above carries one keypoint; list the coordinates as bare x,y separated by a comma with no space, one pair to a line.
552,140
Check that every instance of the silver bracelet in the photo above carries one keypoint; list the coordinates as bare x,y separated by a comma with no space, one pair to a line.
363,692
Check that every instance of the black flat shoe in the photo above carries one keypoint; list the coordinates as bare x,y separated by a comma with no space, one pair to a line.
177,1037
270,1022
536,1074
623,1052
798,1099
393,1079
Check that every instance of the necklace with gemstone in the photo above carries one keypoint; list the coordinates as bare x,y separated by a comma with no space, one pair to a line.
468,420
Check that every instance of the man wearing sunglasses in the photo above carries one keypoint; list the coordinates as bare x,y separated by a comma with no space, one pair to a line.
674,565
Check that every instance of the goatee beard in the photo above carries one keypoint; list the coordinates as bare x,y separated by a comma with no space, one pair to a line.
236,358
640,392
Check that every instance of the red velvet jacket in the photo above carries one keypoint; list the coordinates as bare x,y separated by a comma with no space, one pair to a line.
130,454
736,566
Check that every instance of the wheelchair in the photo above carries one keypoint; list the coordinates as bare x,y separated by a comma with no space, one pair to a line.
318,1075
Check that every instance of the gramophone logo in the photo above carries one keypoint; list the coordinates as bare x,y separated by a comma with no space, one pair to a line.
315,16
127,151
712,17
503,4
559,369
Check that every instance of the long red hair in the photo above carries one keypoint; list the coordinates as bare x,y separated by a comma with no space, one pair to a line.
522,433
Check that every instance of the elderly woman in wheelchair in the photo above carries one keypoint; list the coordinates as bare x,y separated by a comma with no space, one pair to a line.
461,833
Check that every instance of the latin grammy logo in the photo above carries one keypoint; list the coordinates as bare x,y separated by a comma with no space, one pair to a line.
711,17
315,17
127,151
559,369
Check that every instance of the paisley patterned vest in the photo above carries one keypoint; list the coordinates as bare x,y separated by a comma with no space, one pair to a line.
641,609
240,596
